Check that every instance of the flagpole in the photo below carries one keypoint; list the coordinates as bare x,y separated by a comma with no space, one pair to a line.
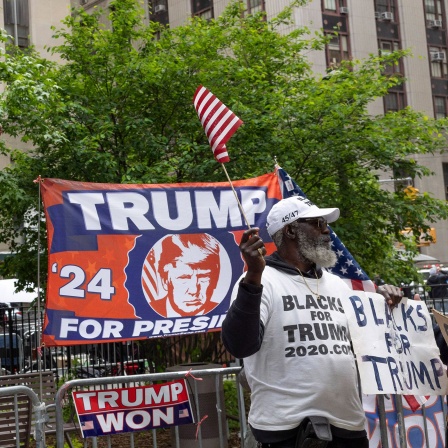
236,196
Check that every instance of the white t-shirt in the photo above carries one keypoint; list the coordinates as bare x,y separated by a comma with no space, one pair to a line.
305,366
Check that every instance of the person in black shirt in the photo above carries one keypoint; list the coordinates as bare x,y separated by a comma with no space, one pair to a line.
438,282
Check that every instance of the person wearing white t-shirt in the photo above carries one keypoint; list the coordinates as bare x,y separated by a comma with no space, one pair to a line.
287,322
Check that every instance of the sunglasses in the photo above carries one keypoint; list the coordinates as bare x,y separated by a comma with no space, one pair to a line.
320,223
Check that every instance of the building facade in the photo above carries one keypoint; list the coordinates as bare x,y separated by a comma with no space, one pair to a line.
365,27
29,22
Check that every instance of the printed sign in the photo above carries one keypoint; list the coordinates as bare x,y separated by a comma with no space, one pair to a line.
114,411
140,261
395,349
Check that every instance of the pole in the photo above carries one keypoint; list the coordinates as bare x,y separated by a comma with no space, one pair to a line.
236,196
39,323
16,32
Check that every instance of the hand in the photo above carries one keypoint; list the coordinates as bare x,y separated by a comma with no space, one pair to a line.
253,251
392,294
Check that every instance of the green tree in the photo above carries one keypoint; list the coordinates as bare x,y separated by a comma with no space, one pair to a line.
119,109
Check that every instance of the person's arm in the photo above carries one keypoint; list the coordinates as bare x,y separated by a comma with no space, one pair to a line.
441,343
242,329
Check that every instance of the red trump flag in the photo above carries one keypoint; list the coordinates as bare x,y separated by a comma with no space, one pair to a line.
135,261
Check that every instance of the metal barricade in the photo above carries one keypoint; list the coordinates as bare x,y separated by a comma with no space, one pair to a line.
127,381
15,394
398,431
37,408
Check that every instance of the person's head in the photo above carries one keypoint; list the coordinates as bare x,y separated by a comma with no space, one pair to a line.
189,269
434,270
296,224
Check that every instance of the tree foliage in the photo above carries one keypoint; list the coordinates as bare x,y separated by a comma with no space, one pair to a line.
119,109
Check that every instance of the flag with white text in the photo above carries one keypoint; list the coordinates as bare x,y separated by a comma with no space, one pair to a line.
128,262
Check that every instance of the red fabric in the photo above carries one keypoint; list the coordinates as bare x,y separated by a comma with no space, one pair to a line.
218,121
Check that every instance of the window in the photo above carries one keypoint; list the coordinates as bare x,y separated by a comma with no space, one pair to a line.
17,21
440,107
159,6
333,5
394,101
203,8
386,47
437,56
385,6
402,179
159,12
254,6
433,10
445,178
337,49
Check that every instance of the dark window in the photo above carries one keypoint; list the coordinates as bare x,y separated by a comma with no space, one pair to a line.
440,106
385,6
437,57
254,6
333,6
386,47
199,5
389,41
17,22
445,178
159,11
337,49
433,11
402,179
203,8
394,101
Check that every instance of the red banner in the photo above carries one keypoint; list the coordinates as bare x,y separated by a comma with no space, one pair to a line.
140,261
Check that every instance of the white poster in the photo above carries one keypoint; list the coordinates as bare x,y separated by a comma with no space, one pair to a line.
395,349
